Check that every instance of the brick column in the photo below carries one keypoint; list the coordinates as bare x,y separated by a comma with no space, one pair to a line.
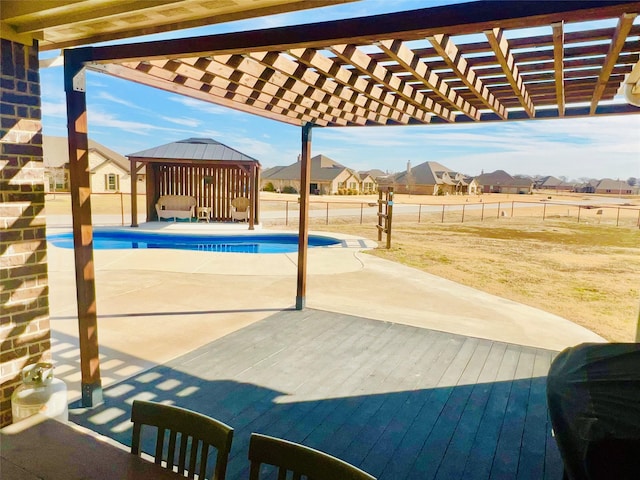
24,294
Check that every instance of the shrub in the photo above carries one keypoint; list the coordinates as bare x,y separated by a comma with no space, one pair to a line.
269,187
289,189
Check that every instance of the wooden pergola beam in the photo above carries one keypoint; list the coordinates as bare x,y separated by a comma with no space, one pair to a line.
400,111
504,56
130,72
214,92
625,22
283,83
558,64
251,85
63,17
451,55
362,62
411,63
339,96
466,18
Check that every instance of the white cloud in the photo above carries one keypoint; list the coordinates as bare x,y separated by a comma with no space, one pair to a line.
54,109
119,100
187,122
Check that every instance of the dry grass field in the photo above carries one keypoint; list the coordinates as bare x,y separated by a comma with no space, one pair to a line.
587,271
589,274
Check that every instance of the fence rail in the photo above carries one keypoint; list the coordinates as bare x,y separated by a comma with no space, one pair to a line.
366,212
115,209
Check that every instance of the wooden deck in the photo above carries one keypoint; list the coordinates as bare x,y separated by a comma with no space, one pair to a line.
398,401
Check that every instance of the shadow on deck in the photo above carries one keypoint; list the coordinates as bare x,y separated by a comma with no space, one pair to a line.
398,401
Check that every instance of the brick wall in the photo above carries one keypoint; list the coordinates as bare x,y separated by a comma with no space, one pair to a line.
24,301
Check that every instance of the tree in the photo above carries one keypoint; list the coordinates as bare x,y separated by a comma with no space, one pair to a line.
632,181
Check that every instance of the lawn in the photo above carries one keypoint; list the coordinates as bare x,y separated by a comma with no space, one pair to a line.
589,274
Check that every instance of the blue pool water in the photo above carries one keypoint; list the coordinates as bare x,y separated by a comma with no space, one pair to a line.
259,243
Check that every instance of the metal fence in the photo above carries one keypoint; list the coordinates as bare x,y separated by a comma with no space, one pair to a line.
275,212
115,208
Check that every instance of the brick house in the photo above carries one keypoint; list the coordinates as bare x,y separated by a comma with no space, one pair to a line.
328,177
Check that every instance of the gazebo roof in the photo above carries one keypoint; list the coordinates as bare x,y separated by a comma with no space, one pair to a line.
204,149
470,62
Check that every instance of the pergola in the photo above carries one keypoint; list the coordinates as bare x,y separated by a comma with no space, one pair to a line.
489,61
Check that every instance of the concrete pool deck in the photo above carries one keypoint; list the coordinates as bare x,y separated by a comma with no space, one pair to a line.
155,305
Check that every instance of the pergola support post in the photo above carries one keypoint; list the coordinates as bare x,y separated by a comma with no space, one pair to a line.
80,180
134,194
303,229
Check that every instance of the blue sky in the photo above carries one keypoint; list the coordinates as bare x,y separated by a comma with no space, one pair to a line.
127,118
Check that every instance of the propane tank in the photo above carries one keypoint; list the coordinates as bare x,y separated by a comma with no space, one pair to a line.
40,393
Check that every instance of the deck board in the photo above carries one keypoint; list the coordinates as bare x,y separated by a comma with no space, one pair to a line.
401,402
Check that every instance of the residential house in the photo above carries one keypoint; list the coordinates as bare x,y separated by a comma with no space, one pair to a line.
616,187
501,182
587,187
432,178
110,171
368,183
552,183
328,177
547,183
382,179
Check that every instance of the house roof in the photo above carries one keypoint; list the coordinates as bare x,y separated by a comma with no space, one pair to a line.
205,149
322,169
55,152
611,184
59,24
427,173
375,173
550,181
483,61
499,177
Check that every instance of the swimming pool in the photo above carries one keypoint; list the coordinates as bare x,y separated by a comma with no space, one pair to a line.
258,243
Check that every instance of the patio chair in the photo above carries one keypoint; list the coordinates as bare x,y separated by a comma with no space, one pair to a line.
240,209
186,431
303,462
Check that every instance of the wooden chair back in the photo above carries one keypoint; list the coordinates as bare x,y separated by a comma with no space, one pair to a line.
301,461
191,436
241,204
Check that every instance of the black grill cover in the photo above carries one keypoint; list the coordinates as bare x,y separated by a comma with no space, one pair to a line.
593,394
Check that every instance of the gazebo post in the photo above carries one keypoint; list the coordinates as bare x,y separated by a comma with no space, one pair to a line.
256,202
75,85
134,194
303,231
252,197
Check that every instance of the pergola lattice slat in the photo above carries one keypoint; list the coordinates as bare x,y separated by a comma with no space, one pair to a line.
617,43
421,72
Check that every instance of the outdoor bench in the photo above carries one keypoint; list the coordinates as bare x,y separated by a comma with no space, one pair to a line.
176,206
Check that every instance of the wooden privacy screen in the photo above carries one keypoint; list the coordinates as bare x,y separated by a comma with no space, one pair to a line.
213,187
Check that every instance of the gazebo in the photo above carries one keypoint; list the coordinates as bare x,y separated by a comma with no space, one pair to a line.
203,168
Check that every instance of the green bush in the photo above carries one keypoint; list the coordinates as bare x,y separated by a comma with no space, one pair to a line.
269,187
289,189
